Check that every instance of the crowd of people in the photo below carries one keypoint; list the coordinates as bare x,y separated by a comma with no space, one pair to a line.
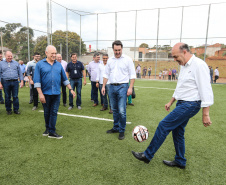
114,78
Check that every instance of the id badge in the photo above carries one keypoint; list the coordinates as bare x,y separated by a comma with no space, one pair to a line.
75,71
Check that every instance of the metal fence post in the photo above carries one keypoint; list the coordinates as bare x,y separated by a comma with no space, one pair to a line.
28,38
97,35
157,43
135,42
80,45
67,34
115,25
207,29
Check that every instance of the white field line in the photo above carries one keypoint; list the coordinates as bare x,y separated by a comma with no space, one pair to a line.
88,117
154,88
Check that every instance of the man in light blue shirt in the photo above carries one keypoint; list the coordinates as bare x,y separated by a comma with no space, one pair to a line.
9,74
47,79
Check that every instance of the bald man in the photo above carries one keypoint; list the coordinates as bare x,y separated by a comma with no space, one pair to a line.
47,79
9,74
192,93
64,65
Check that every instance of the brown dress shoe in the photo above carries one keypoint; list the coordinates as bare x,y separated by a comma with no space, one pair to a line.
110,112
103,109
95,104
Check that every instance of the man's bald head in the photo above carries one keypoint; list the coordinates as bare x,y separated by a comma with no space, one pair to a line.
181,53
51,53
8,56
58,57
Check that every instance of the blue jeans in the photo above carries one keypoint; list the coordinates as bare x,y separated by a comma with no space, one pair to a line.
211,78
1,98
94,92
78,84
50,111
176,122
11,89
118,98
106,96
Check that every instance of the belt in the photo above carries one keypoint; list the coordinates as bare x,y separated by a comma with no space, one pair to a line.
116,84
12,80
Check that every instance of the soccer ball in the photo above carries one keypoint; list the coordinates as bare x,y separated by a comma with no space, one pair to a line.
140,133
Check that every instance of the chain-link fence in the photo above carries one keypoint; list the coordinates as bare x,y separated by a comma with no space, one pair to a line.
69,30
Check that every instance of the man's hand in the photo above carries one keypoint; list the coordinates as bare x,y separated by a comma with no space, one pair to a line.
167,106
31,82
129,92
97,84
21,83
1,87
103,90
206,120
73,93
84,83
42,98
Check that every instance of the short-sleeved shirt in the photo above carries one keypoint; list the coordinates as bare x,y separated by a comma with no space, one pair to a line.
75,70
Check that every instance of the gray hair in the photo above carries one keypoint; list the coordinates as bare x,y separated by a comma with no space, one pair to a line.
184,47
49,47
96,54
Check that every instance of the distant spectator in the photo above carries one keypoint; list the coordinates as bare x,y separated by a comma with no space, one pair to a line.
211,74
144,72
216,74
149,71
169,74
1,97
22,68
174,71
138,71
160,75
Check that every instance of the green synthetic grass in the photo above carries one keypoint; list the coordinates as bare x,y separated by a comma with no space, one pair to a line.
87,155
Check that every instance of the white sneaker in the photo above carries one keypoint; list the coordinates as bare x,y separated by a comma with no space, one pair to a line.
70,108
34,108
79,107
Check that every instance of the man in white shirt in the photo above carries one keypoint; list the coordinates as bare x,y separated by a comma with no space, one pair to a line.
99,83
64,65
193,91
216,74
119,70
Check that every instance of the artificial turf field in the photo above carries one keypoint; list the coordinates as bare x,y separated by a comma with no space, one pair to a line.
87,155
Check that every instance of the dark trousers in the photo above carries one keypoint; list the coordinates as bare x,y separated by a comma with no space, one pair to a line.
64,93
169,77
50,111
176,122
78,84
215,80
11,89
35,96
1,97
173,76
94,92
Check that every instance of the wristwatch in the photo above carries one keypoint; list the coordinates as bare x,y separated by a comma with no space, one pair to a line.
70,89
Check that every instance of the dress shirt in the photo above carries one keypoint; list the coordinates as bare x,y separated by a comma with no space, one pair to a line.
48,77
31,68
100,74
120,70
92,69
22,68
64,65
216,72
194,83
10,70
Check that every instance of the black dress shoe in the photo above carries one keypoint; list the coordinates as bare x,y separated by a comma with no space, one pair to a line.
112,131
173,164
16,112
9,112
140,156
30,102
121,136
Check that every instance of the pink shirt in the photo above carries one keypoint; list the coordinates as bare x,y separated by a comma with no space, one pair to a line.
64,65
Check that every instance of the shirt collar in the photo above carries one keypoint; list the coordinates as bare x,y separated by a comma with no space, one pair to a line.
190,61
122,56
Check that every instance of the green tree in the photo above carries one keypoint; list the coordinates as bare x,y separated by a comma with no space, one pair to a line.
144,45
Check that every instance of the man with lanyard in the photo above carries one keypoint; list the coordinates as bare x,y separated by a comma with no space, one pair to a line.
30,73
193,91
92,69
99,83
75,70
1,97
64,65
119,70
9,74
47,79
